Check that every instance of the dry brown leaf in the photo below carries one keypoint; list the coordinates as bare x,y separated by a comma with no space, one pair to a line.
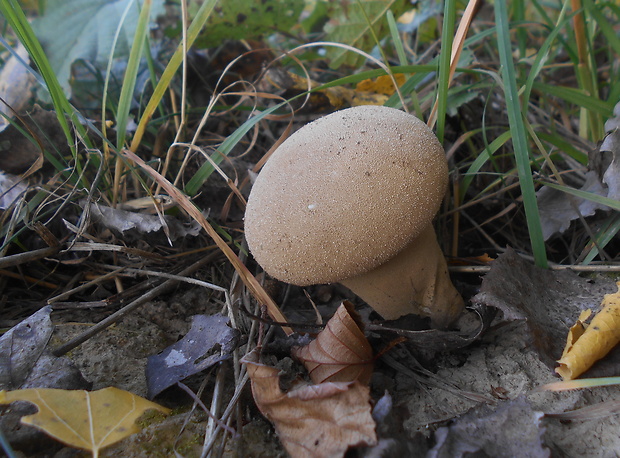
90,420
599,338
313,421
341,352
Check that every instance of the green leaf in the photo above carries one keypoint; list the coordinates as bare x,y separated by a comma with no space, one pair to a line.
240,19
348,25
84,29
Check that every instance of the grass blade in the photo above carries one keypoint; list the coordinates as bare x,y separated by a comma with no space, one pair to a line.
519,136
611,203
173,65
447,37
12,12
129,80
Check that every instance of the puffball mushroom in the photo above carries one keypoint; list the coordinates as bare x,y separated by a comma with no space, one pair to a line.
350,198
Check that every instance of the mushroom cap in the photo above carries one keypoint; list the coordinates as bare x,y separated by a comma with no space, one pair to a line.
344,194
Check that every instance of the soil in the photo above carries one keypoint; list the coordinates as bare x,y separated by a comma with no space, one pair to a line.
501,368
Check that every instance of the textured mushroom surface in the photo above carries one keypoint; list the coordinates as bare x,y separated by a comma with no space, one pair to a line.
344,194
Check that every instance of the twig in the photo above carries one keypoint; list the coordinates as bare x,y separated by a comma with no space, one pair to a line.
94,246
231,405
216,404
71,292
22,258
198,401
180,278
28,279
152,294
558,267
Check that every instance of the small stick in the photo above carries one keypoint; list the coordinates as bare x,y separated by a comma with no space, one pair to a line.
198,401
22,258
590,268
71,292
152,294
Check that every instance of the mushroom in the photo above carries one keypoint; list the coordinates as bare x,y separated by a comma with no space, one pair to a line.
350,198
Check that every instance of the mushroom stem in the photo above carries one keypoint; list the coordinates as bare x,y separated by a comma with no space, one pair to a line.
415,281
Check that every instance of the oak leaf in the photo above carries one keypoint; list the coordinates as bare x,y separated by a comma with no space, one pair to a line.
600,336
321,420
341,352
90,420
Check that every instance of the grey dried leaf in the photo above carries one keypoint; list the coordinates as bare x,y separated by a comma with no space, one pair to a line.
549,302
208,334
558,209
22,346
511,429
124,221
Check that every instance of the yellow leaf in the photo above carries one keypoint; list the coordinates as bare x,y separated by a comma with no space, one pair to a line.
597,340
376,91
576,330
90,420
381,85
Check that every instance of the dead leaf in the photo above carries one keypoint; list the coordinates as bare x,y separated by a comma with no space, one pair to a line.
598,339
546,300
16,84
381,85
19,155
376,91
611,176
89,420
317,420
187,356
341,352
558,209
22,345
510,429
124,221
577,330
338,97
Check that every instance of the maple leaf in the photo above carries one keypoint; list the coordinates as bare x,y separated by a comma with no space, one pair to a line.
90,420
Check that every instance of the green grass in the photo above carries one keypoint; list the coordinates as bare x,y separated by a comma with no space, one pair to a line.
508,139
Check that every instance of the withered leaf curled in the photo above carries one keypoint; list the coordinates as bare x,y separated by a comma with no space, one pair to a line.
341,352
598,339
321,420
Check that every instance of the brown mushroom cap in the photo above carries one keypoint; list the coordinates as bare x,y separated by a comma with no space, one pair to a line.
344,194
